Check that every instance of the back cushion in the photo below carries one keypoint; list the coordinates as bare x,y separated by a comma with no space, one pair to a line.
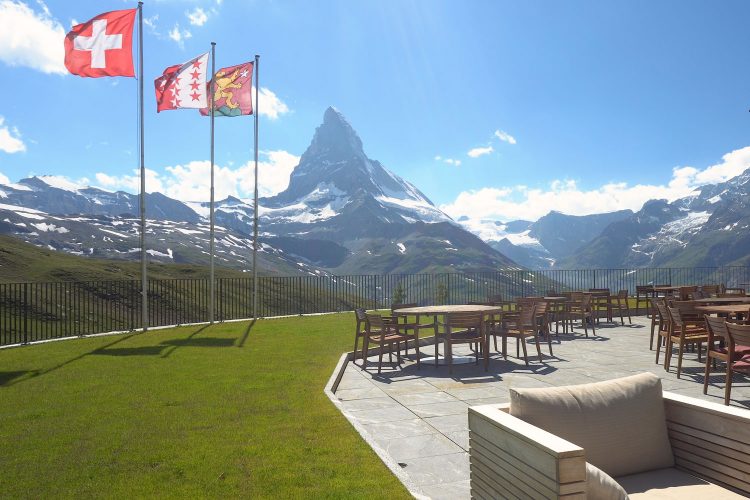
619,423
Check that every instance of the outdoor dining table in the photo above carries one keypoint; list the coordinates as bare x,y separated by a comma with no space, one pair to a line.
723,300
448,309
738,309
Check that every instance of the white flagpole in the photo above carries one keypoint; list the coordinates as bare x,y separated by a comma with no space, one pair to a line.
255,217
211,107
144,272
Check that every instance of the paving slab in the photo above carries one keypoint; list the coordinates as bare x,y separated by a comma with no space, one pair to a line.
419,416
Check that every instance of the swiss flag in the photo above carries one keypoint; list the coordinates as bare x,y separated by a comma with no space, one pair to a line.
102,46
183,85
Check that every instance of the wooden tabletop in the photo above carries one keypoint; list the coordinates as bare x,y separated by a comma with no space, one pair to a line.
723,300
725,309
447,309
666,288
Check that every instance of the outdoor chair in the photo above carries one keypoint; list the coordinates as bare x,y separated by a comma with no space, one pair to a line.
683,334
619,439
697,294
620,303
462,328
404,323
658,320
579,307
684,292
521,326
739,340
643,293
385,331
360,330
497,300
601,301
717,330
710,290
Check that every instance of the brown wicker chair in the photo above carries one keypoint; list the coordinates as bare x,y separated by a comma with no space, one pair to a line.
382,331
521,325
717,330
682,333
739,335
619,303
463,328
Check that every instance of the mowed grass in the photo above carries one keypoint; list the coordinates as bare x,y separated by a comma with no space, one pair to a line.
190,412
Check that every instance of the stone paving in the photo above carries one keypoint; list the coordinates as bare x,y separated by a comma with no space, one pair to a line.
416,419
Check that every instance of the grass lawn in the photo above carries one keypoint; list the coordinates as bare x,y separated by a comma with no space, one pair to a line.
221,411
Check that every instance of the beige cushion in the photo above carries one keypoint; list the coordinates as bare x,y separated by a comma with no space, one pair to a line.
600,486
619,423
672,483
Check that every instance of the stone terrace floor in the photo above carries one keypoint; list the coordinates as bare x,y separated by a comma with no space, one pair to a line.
418,418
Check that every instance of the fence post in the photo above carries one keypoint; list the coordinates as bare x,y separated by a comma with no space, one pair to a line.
25,313
376,291
594,279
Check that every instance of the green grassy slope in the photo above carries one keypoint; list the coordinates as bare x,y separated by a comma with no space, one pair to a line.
21,261
189,412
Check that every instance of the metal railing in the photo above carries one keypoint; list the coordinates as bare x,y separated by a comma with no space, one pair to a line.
40,311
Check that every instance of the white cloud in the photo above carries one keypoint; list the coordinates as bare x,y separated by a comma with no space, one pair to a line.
31,39
449,161
521,202
10,139
4,179
191,181
197,17
150,23
179,35
477,152
505,137
270,105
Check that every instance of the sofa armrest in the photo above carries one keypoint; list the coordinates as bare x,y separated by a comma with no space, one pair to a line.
710,440
511,458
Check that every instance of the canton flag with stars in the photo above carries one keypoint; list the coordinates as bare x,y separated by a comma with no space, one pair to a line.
183,85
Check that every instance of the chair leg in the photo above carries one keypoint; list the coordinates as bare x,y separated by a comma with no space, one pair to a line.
728,385
356,341
449,356
504,343
680,352
658,347
627,309
705,374
522,340
437,341
668,347
365,347
538,349
380,358
416,347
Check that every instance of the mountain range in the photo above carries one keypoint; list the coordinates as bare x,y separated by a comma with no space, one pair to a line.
344,213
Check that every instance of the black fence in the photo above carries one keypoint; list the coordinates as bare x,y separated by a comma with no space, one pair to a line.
40,311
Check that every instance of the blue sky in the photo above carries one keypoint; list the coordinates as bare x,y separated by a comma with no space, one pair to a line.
494,109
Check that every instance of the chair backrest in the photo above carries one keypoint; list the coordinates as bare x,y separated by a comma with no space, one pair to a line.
528,315
710,290
403,306
622,294
697,294
687,308
675,316
717,327
551,293
498,297
644,289
661,309
685,291
360,313
375,321
599,290
738,334
464,320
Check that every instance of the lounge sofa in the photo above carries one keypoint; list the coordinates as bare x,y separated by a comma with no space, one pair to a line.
632,440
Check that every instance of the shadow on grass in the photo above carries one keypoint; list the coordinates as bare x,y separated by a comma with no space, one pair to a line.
36,373
7,377
146,350
200,342
247,333
172,347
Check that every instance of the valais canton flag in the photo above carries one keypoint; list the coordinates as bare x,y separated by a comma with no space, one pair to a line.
233,91
183,85
102,46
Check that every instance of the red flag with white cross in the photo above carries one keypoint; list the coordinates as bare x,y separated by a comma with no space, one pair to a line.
102,46
183,85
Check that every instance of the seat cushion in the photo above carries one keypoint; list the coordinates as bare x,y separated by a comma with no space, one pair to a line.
672,483
619,423
601,486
